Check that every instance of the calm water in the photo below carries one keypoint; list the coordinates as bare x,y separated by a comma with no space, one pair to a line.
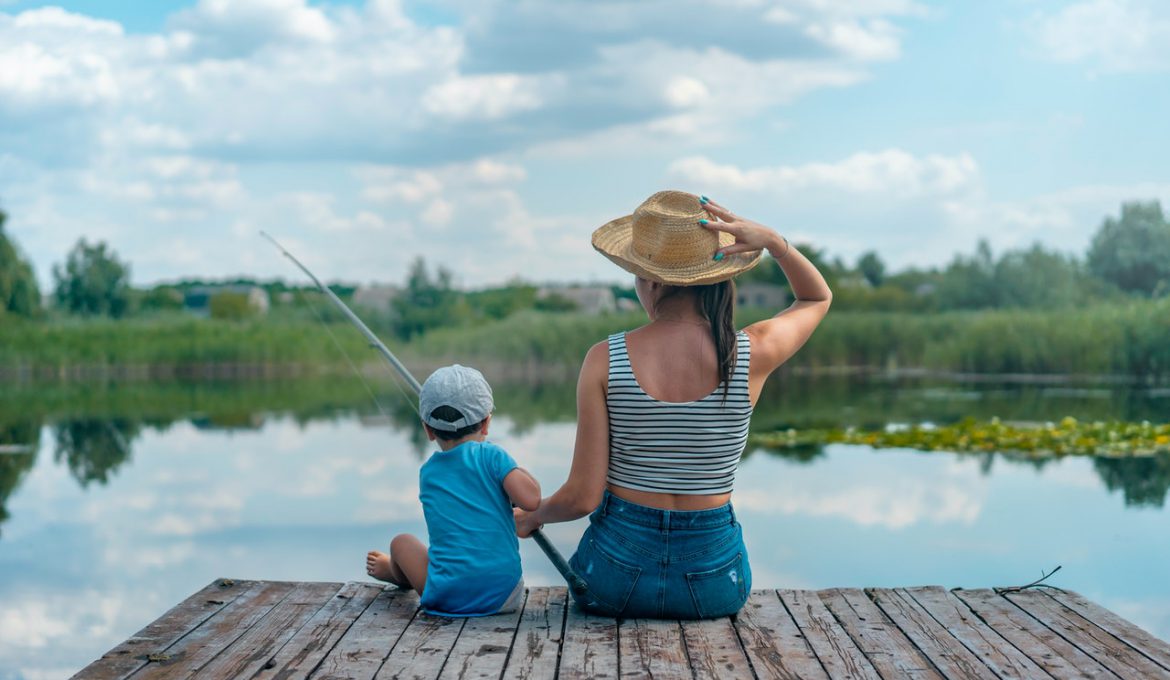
130,499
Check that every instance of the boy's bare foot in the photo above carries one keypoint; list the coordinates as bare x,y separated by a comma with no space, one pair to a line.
378,565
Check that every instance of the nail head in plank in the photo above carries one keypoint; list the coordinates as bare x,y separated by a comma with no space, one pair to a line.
652,649
772,640
714,650
157,636
1091,639
836,650
371,638
1050,651
590,647
887,648
301,654
538,638
996,652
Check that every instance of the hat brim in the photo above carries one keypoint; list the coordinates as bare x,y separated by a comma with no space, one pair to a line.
614,239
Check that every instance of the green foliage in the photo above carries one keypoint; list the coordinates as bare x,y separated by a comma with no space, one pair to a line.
499,303
161,299
93,282
1068,437
554,302
19,293
1133,252
427,302
230,306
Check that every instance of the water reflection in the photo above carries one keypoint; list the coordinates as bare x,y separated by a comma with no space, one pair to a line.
94,428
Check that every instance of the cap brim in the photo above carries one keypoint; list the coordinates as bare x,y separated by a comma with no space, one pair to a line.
614,239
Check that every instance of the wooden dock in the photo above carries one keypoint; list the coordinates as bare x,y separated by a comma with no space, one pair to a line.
266,629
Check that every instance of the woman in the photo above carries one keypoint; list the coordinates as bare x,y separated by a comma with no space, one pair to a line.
663,411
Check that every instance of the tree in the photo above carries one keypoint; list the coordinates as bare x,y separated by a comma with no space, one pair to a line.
230,306
1038,278
426,302
93,281
1133,252
872,268
969,282
19,293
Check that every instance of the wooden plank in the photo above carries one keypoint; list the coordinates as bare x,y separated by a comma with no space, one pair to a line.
538,638
892,654
360,652
836,650
1050,651
1091,639
1154,648
772,640
715,650
997,653
202,644
252,650
933,640
652,649
423,648
157,636
590,647
482,648
301,654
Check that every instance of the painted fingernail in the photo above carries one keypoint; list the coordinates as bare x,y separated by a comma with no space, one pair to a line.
718,256
704,200
704,222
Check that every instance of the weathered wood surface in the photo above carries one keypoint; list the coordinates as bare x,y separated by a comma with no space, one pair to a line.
269,630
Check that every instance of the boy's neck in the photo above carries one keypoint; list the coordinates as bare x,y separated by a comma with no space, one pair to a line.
445,445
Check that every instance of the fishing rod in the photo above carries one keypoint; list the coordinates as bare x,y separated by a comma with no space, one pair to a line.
576,583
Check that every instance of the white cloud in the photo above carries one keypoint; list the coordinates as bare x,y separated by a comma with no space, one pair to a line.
485,97
1107,35
891,172
925,208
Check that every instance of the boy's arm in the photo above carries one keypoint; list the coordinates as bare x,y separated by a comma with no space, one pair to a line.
522,489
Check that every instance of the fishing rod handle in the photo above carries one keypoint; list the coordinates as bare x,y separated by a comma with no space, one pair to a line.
576,583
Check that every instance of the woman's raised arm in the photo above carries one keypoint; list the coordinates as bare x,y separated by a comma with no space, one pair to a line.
582,491
775,340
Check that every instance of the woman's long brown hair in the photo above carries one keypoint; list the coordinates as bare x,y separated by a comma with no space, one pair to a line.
717,305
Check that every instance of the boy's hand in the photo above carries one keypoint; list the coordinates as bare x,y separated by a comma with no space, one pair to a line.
526,522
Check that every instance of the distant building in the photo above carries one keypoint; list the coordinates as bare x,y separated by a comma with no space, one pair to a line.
589,299
376,297
197,299
765,295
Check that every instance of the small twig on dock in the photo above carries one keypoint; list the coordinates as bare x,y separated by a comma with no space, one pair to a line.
1038,583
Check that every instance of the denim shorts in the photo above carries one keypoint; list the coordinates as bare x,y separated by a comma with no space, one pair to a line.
642,562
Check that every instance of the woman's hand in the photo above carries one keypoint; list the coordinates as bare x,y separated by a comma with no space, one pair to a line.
526,522
749,235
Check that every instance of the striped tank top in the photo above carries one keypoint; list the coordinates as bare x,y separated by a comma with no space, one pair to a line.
688,447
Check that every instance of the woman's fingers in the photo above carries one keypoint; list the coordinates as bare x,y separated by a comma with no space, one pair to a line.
719,211
735,248
716,225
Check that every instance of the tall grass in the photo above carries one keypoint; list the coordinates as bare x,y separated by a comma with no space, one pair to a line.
1129,340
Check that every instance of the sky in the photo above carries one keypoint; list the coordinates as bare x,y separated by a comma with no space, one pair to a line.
493,136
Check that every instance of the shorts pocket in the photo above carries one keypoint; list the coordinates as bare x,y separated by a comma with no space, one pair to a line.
609,579
720,591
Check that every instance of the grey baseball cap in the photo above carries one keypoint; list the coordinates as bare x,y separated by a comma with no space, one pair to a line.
463,389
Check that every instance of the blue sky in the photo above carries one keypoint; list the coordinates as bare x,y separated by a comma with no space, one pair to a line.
494,136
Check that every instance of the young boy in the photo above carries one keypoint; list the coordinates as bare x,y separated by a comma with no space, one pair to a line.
467,489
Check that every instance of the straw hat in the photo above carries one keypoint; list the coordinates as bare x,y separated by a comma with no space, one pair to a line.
664,242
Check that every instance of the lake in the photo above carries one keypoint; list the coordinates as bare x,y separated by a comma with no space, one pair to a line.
116,502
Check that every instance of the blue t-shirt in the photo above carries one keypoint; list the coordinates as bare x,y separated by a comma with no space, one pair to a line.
474,556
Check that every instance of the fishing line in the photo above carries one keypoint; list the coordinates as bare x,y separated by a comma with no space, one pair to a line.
348,360
576,583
